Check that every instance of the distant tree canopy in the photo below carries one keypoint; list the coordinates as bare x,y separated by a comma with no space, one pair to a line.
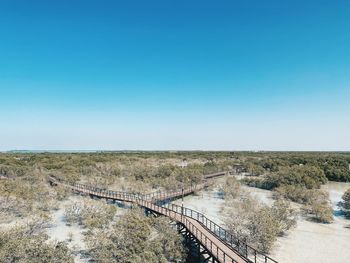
337,169
334,165
304,176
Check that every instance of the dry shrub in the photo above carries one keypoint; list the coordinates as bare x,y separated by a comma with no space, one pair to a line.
346,203
29,243
316,204
90,213
136,238
231,188
258,224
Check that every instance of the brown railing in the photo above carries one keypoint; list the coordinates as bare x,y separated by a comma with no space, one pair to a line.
201,236
184,215
207,242
161,196
241,247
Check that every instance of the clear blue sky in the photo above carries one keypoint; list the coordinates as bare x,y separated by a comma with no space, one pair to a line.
218,75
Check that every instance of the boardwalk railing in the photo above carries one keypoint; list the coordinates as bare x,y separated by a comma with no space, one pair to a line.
200,235
186,216
161,196
246,251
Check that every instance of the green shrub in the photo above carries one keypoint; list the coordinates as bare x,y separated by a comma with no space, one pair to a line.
90,213
22,244
318,206
136,238
259,182
315,202
304,176
258,224
231,188
346,203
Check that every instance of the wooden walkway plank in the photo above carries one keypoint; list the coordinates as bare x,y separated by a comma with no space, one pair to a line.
213,243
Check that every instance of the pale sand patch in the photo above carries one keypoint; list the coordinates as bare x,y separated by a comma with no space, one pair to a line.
61,232
336,191
208,203
308,242
314,242
263,196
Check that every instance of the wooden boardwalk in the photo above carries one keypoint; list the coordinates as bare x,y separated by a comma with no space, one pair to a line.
218,243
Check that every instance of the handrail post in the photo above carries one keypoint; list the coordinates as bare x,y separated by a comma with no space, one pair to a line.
159,202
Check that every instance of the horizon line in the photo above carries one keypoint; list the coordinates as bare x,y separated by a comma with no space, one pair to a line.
168,150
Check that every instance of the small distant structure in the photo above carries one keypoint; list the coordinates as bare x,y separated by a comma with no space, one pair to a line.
238,169
5,177
184,163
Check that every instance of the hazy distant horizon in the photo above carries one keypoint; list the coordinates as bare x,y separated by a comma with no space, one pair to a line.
135,151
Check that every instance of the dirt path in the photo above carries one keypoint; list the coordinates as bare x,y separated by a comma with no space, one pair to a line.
61,232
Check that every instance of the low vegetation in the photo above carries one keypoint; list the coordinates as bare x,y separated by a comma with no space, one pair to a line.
231,188
135,238
346,203
90,213
316,204
24,192
29,243
335,166
253,222
24,197
309,177
299,183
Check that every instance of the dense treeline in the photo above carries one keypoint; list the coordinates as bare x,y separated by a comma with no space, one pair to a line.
336,166
141,166
304,176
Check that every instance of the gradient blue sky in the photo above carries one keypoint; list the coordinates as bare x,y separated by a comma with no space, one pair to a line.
154,75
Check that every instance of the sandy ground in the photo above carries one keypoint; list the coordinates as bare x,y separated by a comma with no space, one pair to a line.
12,222
308,242
336,191
314,242
264,196
207,202
61,232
